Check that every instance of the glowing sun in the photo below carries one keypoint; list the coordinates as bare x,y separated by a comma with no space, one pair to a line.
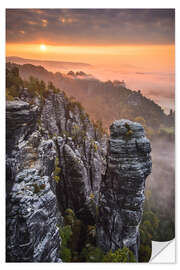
43,47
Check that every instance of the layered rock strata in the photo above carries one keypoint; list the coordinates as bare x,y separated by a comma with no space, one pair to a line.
31,234
55,160
122,188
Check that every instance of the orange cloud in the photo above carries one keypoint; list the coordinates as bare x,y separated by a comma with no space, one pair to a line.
44,22
31,22
39,11
67,20
62,20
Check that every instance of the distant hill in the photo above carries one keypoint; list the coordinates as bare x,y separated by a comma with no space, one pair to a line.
104,101
55,65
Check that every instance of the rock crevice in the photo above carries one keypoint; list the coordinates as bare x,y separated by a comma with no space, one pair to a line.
56,159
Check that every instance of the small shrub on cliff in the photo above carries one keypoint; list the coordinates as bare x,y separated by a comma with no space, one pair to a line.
70,235
69,217
13,83
120,255
36,188
129,132
57,170
91,231
94,145
72,104
65,234
98,126
91,254
57,178
91,196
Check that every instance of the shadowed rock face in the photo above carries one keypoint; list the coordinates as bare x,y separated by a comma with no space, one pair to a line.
56,136
122,189
31,218
40,137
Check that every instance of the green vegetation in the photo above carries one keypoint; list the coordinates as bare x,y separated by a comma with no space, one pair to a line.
104,101
57,170
94,145
70,234
72,105
79,243
91,196
155,225
13,83
38,188
129,132
78,134
91,254
148,230
98,126
149,131
120,255
65,234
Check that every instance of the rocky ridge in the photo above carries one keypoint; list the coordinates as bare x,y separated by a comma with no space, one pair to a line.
56,159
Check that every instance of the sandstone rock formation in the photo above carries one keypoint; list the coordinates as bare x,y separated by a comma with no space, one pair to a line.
56,159
32,233
122,188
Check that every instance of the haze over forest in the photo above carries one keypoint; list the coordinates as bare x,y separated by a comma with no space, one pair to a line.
118,44
70,75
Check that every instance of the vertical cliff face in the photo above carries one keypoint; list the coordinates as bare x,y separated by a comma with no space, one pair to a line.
32,233
56,159
81,153
122,189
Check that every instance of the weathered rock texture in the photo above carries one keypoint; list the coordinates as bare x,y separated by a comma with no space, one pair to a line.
57,159
122,189
31,219
81,152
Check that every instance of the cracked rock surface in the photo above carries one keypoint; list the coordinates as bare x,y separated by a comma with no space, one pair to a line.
44,138
31,205
122,189
57,159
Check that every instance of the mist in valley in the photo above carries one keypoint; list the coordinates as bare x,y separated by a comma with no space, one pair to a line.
157,85
161,182
79,70
104,102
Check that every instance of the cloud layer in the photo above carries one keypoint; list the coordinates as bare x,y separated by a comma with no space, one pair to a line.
90,26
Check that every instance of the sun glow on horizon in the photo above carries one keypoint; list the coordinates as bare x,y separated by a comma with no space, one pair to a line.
148,58
43,47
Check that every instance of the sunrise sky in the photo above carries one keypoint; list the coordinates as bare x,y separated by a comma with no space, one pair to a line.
118,43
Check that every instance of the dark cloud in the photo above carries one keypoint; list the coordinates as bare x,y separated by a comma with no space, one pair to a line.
91,26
